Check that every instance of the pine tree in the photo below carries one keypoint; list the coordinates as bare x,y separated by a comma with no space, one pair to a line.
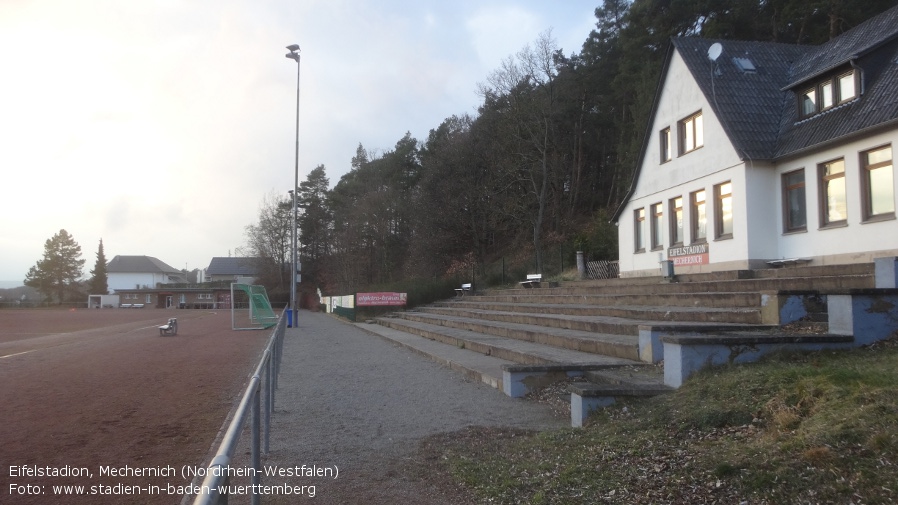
99,281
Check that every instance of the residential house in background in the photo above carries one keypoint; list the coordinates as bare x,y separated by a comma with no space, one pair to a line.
231,269
762,154
130,272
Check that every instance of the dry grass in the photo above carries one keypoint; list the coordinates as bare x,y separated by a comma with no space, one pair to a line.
796,428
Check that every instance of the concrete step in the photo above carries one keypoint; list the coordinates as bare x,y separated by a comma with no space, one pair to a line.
608,344
856,269
518,351
475,366
682,286
643,376
575,315
549,297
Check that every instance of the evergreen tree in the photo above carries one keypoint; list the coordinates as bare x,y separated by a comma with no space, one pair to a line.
99,281
59,269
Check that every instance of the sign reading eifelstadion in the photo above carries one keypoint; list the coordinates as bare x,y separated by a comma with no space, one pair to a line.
380,299
689,255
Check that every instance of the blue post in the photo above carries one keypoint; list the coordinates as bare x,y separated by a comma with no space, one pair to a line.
289,318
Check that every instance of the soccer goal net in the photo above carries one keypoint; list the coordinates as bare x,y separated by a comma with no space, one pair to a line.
250,308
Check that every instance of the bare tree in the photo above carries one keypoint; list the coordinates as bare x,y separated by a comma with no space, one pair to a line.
524,90
269,240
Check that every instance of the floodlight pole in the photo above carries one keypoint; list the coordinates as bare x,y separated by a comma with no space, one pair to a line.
294,55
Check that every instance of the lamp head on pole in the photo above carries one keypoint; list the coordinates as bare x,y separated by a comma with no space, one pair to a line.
294,52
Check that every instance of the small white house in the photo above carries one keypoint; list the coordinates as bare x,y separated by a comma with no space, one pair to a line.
760,154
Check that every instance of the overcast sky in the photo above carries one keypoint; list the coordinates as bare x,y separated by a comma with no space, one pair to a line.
160,126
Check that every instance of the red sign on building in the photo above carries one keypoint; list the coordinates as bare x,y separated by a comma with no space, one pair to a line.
380,299
689,255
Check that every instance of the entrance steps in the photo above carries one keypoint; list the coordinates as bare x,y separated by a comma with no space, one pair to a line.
616,333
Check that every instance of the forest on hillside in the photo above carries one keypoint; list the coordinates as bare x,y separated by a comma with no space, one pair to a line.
535,175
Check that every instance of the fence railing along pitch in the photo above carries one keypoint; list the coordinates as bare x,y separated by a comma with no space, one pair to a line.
257,401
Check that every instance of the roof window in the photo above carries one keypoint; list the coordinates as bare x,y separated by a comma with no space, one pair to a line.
745,65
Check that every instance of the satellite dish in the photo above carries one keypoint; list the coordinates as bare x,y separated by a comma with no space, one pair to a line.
714,51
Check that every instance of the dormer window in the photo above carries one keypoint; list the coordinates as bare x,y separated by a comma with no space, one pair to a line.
846,87
809,102
827,93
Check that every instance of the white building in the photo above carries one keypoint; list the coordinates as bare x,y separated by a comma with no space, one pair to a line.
761,153
140,272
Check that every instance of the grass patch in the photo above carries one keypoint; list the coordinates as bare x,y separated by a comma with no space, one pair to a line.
794,428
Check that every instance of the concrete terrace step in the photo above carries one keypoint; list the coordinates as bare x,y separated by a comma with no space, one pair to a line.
549,297
608,344
474,366
542,314
860,270
519,351
683,287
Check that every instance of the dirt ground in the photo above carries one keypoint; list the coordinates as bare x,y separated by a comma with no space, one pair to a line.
101,390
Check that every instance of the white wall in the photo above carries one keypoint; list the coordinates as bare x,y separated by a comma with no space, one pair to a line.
132,280
857,238
757,195
715,162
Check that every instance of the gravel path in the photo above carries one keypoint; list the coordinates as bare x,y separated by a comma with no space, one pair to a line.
351,400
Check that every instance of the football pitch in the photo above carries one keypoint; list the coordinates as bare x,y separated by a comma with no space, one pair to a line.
98,400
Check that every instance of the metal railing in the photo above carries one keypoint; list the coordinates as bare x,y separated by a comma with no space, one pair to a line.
257,400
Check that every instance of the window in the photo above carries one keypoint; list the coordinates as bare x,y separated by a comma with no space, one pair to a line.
639,229
149,298
833,205
795,216
699,217
676,221
809,102
723,210
846,87
878,183
666,153
826,94
657,212
691,133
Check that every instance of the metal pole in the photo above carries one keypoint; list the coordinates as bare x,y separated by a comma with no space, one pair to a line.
256,441
294,55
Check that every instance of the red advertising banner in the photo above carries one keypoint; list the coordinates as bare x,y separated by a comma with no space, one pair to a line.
380,299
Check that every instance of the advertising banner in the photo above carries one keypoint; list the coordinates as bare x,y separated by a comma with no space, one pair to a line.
380,299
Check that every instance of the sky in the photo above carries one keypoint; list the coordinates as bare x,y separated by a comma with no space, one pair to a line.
160,127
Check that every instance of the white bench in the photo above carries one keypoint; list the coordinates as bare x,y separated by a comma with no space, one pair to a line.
125,305
533,281
170,328
464,288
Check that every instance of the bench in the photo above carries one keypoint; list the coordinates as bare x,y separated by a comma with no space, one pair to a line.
137,306
464,288
170,328
533,281
125,305
788,262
